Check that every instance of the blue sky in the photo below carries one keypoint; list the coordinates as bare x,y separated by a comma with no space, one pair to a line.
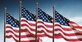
71,9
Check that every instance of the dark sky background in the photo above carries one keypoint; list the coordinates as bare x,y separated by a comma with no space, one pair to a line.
68,8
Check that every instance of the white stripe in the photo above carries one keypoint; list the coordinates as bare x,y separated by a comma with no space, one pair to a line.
78,29
16,33
33,32
50,34
27,38
8,29
67,32
33,22
60,39
45,22
28,24
61,25
33,27
69,37
8,34
12,27
40,24
22,39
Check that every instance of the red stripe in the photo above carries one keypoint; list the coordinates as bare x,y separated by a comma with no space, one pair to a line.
22,25
60,36
29,41
47,25
64,28
26,30
16,31
56,25
10,36
28,22
50,26
65,33
77,26
12,33
12,29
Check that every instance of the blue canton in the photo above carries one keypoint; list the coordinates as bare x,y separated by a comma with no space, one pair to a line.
29,16
60,19
10,20
43,16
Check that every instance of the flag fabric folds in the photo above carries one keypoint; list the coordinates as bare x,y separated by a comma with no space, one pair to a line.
45,26
60,19
28,23
28,29
12,27
66,29
43,16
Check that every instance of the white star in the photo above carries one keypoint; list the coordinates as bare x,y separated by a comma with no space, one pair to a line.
43,18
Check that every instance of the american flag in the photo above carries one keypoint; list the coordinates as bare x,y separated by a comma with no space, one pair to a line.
66,29
45,26
43,16
12,27
28,24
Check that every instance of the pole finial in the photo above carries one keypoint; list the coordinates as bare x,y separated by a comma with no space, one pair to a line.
20,1
54,7
5,8
36,1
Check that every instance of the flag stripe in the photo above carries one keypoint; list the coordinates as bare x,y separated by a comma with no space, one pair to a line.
65,31
15,34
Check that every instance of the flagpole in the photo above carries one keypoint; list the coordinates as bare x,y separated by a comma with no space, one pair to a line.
20,12
36,17
5,11
53,21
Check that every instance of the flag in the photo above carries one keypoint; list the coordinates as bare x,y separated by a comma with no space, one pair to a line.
43,16
45,26
67,29
28,24
12,27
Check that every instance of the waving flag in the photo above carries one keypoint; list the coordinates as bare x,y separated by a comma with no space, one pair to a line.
67,29
45,25
12,27
28,29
